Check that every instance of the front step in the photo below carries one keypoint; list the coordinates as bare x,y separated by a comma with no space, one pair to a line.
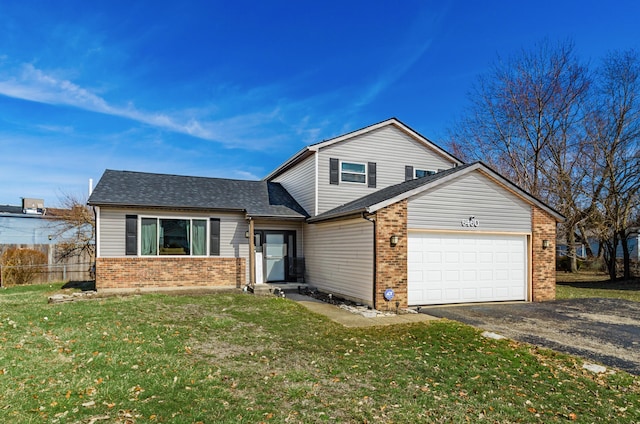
277,289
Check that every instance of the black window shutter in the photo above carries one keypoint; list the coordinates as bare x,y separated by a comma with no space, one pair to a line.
131,230
408,173
214,249
371,170
334,172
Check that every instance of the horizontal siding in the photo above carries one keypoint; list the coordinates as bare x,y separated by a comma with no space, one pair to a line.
340,258
112,230
445,206
300,183
390,148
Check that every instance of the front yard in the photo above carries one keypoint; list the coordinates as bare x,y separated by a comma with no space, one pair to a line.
592,284
239,358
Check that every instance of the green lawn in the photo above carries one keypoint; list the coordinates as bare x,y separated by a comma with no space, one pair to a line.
589,284
229,358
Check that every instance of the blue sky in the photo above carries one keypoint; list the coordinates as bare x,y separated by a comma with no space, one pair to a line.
233,88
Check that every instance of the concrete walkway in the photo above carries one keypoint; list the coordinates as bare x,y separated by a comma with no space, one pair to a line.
350,319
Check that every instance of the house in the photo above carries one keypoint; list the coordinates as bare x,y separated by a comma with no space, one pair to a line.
381,216
27,224
31,225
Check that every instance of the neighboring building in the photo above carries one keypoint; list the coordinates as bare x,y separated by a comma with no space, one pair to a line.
33,226
633,244
377,211
28,224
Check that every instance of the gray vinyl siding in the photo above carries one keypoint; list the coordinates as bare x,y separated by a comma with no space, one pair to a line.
444,207
233,243
390,148
300,183
112,232
340,258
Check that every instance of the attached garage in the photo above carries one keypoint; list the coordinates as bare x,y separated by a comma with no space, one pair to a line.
461,268
462,235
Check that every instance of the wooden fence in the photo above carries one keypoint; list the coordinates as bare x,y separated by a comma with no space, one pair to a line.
77,268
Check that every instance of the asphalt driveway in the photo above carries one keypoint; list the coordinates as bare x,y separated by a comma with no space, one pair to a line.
602,330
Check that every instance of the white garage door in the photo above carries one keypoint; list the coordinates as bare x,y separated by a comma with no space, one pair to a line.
460,268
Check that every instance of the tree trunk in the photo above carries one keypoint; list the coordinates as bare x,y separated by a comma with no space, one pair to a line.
626,255
610,255
571,249
585,240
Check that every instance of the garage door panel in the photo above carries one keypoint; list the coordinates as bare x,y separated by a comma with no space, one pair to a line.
458,268
469,275
433,257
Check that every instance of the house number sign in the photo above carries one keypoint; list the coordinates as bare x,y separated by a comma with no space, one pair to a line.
471,222
388,294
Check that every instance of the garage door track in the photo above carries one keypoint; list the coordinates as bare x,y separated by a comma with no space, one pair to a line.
602,330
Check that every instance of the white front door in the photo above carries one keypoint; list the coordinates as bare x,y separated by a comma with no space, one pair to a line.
459,268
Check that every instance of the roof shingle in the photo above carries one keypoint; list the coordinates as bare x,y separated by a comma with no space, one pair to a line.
141,189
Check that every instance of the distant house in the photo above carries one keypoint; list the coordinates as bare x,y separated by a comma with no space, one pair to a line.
27,224
581,247
33,226
381,215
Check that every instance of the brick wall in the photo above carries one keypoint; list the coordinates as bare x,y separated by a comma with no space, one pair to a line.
543,260
391,261
135,272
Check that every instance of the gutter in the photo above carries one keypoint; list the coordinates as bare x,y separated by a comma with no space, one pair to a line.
320,218
375,261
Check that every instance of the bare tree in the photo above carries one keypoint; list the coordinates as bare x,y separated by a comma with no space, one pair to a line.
74,226
520,108
614,128
524,121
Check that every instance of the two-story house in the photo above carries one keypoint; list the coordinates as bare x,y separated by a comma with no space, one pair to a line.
381,215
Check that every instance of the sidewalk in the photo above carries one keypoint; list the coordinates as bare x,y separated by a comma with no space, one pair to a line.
349,319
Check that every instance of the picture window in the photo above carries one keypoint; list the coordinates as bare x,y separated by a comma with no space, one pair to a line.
173,236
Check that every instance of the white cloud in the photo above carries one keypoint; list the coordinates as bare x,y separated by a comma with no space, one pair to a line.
242,131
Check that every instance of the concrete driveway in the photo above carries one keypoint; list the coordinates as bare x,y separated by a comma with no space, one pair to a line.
602,330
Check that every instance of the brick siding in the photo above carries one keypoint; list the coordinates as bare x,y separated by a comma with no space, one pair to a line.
136,272
543,260
391,261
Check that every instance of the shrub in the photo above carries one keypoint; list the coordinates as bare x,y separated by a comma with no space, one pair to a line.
21,266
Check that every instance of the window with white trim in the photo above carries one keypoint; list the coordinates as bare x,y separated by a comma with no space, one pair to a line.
421,173
173,236
352,172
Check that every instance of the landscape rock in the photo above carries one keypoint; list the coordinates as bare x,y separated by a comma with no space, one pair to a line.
491,335
595,368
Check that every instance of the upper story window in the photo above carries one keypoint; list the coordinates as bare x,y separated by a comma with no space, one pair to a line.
420,173
353,172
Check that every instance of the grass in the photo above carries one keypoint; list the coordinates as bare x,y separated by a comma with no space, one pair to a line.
591,284
239,358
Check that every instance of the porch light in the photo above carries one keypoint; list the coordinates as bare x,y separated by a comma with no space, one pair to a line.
545,244
393,240
246,234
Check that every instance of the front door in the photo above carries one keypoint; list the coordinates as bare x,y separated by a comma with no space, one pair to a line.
278,250
275,254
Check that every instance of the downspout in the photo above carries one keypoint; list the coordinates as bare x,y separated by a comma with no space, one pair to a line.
375,262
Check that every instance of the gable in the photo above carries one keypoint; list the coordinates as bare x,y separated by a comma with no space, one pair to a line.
389,148
448,205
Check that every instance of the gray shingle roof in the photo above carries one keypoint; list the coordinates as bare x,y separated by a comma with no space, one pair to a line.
361,204
10,209
141,189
